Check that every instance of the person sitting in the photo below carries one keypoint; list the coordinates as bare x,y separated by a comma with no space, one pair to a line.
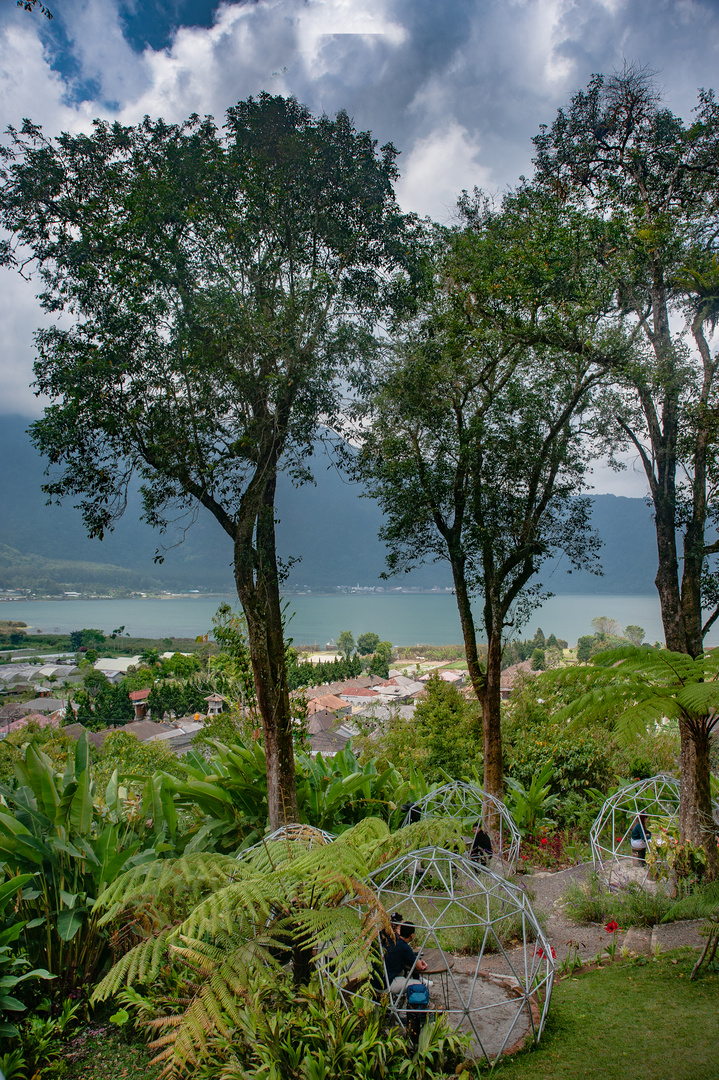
400,959
640,837
481,850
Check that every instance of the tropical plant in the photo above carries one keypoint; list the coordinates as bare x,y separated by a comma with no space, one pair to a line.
643,688
74,843
219,926
336,792
229,790
316,1036
530,806
14,967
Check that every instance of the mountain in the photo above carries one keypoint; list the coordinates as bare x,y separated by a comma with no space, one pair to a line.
328,525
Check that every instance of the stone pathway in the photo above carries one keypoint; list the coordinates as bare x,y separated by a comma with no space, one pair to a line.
546,890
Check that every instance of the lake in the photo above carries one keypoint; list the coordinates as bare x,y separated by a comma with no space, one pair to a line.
403,619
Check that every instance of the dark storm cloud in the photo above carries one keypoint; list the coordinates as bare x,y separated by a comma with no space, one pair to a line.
459,86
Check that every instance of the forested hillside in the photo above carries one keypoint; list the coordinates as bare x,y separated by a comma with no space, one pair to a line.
329,525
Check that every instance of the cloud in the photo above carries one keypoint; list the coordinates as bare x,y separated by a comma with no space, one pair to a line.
460,88
438,168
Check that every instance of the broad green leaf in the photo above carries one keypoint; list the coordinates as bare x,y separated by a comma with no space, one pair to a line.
8,889
69,922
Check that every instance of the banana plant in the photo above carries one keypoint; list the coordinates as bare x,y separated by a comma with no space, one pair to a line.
74,843
337,792
229,790
13,965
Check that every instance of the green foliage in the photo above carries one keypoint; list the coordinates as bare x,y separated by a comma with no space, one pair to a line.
229,629
74,843
227,792
379,666
339,791
89,638
315,1036
443,737
701,902
346,643
530,806
133,759
14,967
630,905
539,660
226,927
583,761
648,685
367,643
53,742
306,673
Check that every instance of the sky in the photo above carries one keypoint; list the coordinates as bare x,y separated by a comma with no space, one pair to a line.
459,86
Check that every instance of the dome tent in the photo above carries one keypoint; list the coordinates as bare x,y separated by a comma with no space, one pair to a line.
497,994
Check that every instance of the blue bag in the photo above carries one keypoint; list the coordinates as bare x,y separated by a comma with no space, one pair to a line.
418,996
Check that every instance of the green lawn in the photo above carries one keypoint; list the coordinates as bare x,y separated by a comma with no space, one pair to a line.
628,1021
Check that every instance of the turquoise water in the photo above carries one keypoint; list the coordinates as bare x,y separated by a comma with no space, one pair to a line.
403,619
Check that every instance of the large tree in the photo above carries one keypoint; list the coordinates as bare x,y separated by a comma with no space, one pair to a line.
214,284
474,451
652,184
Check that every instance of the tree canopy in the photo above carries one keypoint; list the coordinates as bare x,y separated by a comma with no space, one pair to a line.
219,283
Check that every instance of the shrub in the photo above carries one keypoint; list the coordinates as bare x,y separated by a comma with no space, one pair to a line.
443,737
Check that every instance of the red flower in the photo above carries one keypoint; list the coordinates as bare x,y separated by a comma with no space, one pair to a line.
543,840
612,927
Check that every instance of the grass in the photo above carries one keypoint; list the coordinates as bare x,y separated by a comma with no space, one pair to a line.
698,905
99,1053
628,1021
630,905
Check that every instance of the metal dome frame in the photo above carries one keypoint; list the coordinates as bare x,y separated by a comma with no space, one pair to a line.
456,904
293,832
463,799
655,796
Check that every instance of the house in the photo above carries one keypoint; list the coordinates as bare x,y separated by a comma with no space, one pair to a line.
116,663
359,695
144,730
36,718
327,734
331,702
139,702
456,678
511,675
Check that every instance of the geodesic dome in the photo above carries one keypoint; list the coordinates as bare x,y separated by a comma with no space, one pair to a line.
469,802
295,832
465,918
658,798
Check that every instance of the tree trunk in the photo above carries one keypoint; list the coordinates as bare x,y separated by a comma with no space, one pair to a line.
259,592
700,829
466,618
491,719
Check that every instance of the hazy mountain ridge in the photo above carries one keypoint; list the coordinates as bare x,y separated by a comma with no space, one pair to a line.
329,525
